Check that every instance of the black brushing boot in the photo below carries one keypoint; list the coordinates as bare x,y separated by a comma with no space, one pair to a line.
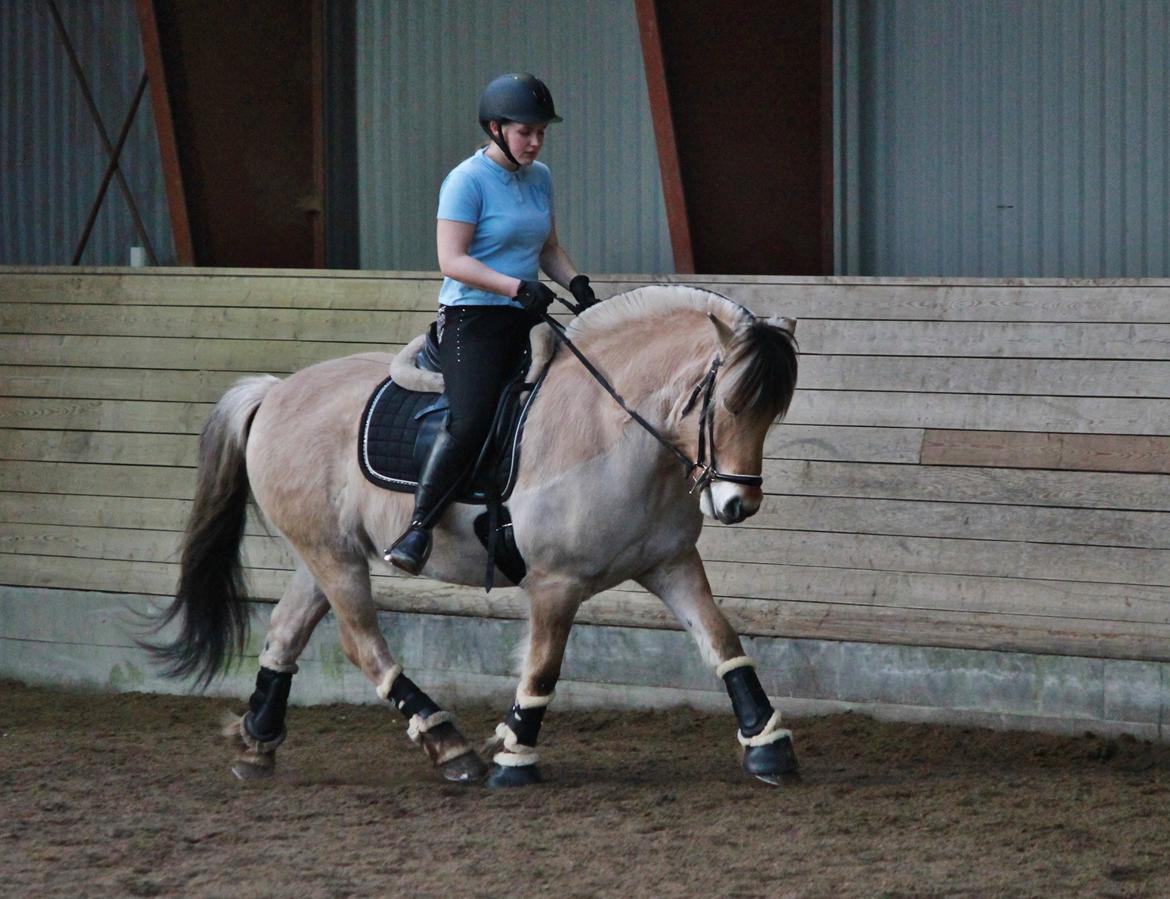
436,485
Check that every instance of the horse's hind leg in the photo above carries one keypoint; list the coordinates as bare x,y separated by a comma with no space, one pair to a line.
261,730
682,584
550,620
346,582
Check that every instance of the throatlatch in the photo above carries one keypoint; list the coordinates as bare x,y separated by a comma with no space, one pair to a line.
267,707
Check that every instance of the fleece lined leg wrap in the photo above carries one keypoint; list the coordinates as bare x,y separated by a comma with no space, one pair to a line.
758,721
407,697
422,713
520,731
263,725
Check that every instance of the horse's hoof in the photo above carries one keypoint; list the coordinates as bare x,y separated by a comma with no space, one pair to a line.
464,769
773,763
514,776
254,766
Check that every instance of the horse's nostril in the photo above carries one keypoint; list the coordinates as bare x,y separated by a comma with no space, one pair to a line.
733,511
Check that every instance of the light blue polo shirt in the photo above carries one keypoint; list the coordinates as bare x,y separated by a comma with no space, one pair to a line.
512,213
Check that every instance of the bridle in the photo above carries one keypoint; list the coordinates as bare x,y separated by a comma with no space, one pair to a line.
700,473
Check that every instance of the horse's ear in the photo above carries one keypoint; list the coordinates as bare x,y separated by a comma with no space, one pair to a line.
723,330
784,324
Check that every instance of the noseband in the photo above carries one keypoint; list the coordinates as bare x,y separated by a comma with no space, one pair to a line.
699,473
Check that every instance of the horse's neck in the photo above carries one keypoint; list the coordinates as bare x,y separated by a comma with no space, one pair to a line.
575,420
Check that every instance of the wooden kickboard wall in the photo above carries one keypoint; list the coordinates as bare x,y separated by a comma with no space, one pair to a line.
966,464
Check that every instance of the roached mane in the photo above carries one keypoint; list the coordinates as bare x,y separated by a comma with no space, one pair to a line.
763,360
658,301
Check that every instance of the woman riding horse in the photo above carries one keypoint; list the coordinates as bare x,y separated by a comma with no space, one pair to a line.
495,227
600,497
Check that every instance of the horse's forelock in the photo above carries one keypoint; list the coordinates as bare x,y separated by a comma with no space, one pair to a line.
763,364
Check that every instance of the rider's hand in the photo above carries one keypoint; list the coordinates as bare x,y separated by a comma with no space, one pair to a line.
582,292
534,297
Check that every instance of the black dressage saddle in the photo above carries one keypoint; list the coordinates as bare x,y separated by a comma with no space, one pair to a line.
398,428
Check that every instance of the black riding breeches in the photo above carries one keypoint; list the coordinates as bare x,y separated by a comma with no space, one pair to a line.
480,348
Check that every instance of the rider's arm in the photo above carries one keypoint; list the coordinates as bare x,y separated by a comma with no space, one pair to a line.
555,261
452,239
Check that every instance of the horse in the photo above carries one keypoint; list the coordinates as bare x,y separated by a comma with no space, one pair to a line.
600,498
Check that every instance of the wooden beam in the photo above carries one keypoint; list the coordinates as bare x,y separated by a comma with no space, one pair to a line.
827,206
165,126
317,90
664,136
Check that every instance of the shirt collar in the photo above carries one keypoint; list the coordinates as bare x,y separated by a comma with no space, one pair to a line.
498,170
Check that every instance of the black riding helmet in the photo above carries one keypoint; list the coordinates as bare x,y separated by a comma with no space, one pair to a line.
517,97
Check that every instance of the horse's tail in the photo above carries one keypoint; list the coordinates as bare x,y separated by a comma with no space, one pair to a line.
211,596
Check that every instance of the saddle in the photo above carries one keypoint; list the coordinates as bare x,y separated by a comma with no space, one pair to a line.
406,410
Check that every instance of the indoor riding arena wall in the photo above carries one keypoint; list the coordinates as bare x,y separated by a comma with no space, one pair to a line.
967,519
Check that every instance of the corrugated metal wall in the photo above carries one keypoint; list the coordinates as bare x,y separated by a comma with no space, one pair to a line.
421,66
1003,138
51,157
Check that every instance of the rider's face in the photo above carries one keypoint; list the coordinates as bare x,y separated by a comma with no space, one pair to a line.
524,141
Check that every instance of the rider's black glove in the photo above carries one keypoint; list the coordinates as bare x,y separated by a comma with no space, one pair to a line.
534,297
582,292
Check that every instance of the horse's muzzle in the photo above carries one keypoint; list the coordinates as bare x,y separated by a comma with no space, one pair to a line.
732,503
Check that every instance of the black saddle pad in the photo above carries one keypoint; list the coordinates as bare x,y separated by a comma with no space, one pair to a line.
398,428
389,432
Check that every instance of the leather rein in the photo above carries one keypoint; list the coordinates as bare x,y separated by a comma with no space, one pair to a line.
699,473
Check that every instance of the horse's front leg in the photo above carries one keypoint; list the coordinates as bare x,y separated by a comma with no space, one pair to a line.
682,584
257,734
552,609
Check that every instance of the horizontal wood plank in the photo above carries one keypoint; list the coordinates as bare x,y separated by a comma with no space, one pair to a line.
911,299
972,521
160,385
938,555
235,289
738,567
120,448
1016,377
220,323
842,444
1070,452
143,416
961,521
978,412
998,340
810,408
1093,490
927,299
817,336
1027,487
809,618
278,357
959,374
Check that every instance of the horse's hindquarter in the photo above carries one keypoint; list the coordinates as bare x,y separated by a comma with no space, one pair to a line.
302,455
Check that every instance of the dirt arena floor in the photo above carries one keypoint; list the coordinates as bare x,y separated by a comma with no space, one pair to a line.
130,795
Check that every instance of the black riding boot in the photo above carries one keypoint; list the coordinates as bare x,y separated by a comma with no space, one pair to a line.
437,483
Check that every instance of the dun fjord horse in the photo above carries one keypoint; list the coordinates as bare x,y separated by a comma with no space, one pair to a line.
599,500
